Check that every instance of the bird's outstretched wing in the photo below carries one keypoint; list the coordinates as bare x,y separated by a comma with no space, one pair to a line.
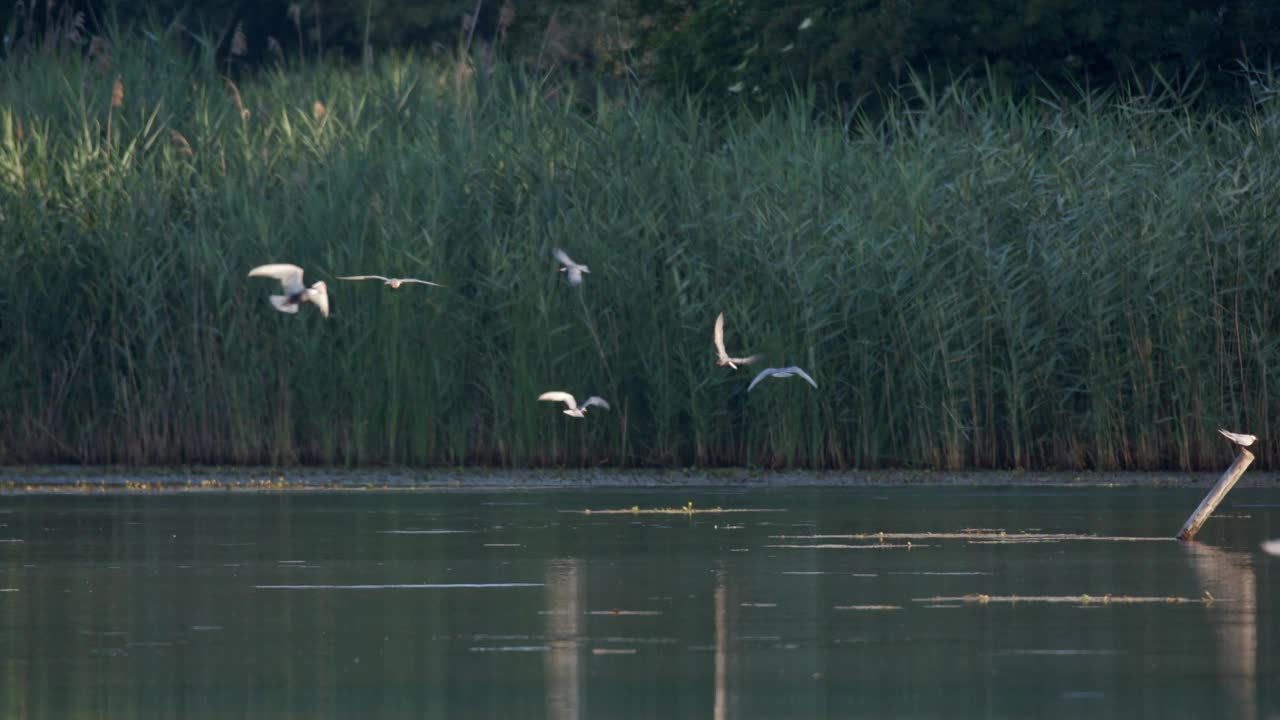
597,401
745,360
563,257
363,277
421,282
767,372
290,276
719,339
801,373
558,396
319,294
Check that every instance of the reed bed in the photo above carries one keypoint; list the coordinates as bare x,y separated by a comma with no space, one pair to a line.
974,281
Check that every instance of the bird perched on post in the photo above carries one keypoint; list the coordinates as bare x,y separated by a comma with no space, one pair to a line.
785,372
1239,438
393,283
571,405
722,357
295,293
571,269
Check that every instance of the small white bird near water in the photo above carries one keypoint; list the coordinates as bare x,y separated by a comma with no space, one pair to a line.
295,293
722,357
785,372
1239,438
393,283
571,405
571,269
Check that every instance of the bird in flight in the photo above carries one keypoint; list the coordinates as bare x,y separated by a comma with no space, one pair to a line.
570,268
722,357
295,293
1239,438
571,405
785,372
393,283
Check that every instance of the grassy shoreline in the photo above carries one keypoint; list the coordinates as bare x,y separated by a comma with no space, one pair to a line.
974,282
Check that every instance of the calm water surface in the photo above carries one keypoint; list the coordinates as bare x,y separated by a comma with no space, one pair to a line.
504,604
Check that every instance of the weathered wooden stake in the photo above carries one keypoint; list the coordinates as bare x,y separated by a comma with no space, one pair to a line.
1219,491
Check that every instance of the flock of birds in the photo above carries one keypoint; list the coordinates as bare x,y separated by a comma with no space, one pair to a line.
296,293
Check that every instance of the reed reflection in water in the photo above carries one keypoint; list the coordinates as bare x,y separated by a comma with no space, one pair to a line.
484,605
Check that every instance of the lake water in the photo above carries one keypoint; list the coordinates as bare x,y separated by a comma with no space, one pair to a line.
516,604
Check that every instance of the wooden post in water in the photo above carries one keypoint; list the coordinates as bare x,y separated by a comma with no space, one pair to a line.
1219,491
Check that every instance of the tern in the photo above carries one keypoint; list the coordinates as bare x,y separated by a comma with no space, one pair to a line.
393,283
572,409
1239,438
295,293
722,357
785,372
571,269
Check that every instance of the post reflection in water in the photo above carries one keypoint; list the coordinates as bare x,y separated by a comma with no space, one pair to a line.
722,643
470,605
1229,576
565,580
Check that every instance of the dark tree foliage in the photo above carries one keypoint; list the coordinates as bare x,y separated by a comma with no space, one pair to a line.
337,28
736,50
846,49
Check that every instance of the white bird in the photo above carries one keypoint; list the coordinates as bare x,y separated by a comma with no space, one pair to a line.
785,372
722,357
1271,547
1239,438
572,269
393,283
571,404
295,293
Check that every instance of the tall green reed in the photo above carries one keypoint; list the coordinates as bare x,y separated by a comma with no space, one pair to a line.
973,281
